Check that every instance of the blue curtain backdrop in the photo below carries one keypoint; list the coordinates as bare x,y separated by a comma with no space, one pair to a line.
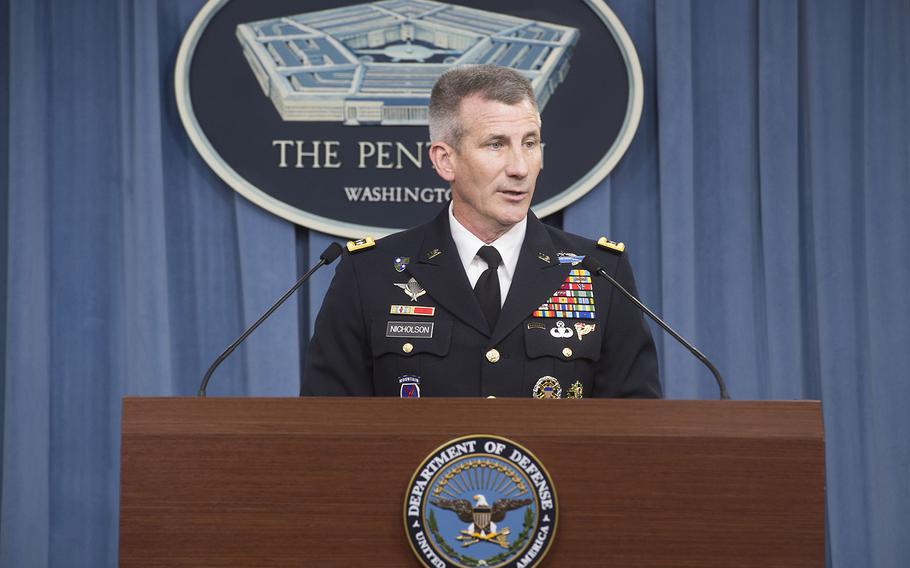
764,202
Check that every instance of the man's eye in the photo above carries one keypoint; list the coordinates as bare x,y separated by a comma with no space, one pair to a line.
495,145
530,144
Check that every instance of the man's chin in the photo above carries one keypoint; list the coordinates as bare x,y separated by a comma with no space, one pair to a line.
513,214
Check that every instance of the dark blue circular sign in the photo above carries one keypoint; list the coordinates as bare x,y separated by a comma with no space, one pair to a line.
480,500
317,110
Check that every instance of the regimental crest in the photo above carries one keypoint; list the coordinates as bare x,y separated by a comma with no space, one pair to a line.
480,500
401,263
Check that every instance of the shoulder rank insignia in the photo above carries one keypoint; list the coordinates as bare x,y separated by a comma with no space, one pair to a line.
361,244
605,243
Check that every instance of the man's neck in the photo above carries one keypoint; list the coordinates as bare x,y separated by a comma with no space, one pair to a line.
487,234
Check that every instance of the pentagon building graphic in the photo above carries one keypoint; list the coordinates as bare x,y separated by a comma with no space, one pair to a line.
376,63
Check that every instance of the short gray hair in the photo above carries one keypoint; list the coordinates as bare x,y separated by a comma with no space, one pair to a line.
491,82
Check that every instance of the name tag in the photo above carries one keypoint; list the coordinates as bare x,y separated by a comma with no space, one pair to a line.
409,329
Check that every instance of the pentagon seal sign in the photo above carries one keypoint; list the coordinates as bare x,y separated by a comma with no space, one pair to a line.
480,500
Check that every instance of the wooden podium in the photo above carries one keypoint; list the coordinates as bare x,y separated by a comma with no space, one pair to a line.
321,482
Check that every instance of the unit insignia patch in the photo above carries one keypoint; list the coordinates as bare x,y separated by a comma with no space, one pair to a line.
409,386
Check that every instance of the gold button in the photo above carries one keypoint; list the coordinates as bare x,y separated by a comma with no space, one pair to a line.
407,347
492,355
567,352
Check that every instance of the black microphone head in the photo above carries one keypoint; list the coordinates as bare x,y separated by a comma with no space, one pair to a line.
592,264
331,252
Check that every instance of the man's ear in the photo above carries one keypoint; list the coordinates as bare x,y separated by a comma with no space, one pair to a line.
443,157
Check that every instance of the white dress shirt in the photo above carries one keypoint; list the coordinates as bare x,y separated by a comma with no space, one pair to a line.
508,245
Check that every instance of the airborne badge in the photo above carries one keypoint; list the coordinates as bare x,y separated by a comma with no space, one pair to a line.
480,500
561,331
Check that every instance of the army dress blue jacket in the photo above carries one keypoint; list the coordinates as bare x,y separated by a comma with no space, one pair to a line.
400,319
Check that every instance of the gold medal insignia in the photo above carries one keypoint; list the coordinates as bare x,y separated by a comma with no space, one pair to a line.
584,328
547,387
575,391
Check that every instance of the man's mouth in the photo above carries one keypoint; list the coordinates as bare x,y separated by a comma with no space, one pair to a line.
513,193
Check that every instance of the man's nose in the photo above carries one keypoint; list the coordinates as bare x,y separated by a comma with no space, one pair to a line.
517,166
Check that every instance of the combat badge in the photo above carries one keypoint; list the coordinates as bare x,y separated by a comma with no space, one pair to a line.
401,263
410,386
547,387
583,329
412,289
480,500
569,258
575,391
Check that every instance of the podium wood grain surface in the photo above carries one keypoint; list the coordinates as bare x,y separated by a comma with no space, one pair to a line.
321,482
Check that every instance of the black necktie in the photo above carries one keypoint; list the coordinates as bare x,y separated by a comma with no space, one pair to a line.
487,287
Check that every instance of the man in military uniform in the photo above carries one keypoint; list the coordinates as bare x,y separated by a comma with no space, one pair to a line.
484,300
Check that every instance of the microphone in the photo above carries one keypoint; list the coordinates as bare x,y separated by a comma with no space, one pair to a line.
594,265
328,256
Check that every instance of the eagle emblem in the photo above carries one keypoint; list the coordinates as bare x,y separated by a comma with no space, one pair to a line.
480,500
483,518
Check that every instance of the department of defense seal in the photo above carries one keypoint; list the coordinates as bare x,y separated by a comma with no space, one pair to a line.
480,500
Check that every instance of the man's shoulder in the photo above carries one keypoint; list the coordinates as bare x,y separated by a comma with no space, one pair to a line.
569,244
401,245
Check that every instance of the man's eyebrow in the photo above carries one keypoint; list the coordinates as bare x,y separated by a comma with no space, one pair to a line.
494,137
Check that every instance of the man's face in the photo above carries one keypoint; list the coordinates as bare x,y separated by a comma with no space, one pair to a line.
494,170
